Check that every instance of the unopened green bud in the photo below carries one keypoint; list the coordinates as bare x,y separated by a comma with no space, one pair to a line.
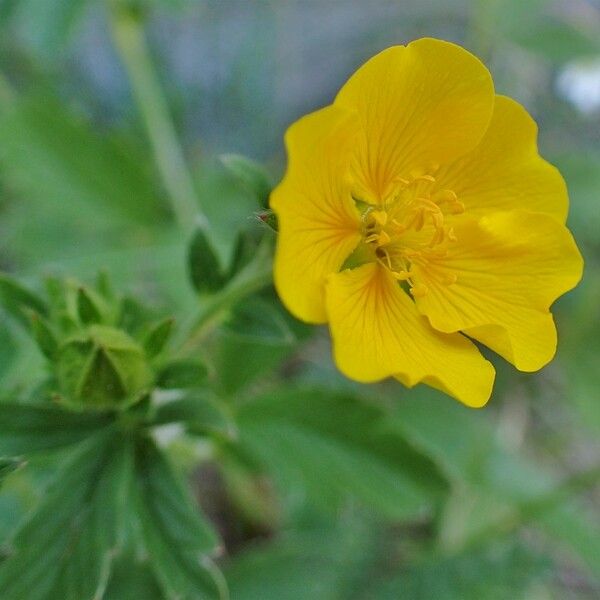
102,367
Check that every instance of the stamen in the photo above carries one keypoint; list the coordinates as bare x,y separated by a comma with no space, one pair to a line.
419,290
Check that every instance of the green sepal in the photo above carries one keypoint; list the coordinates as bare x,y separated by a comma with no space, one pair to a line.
90,307
157,337
44,336
16,299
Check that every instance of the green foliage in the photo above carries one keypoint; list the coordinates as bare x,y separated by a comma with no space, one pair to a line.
334,447
64,548
251,175
173,432
178,539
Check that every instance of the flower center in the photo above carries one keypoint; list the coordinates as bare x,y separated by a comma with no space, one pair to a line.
410,228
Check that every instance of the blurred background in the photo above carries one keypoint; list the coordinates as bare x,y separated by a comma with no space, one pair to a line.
514,511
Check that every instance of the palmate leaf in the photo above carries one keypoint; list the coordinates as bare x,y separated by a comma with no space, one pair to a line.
324,561
178,540
463,444
28,428
332,447
65,547
494,572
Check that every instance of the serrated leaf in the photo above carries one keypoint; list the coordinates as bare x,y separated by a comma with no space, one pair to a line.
27,428
17,299
252,176
332,446
157,337
64,548
205,270
178,540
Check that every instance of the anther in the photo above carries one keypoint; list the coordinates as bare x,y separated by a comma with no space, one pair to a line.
419,290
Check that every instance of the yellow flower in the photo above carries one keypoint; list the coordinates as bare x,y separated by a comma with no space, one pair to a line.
416,215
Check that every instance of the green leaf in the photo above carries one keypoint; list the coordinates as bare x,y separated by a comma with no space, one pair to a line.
198,412
8,466
494,572
17,299
65,547
464,446
182,374
157,337
178,539
55,159
204,267
257,338
252,176
333,446
314,562
132,580
27,428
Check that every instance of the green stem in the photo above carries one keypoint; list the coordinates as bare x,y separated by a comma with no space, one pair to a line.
251,279
7,93
131,44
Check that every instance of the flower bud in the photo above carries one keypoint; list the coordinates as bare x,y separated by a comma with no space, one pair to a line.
102,367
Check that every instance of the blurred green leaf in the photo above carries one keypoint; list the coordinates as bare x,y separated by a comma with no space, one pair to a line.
463,444
315,562
255,340
198,412
205,270
228,208
333,447
9,465
16,299
26,428
252,176
52,157
182,373
178,539
493,572
65,547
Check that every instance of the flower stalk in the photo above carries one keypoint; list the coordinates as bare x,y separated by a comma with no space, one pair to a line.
128,34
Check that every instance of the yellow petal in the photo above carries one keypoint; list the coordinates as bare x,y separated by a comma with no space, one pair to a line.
509,268
319,225
377,332
419,106
505,171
